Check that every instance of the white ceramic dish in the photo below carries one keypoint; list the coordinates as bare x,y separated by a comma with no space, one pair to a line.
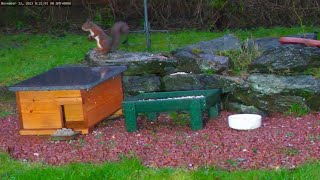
244,121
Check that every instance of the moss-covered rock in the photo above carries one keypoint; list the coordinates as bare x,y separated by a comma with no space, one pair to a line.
304,86
138,63
203,56
226,83
269,103
275,84
182,82
287,60
243,109
136,84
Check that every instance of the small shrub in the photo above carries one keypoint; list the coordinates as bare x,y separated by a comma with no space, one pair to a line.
196,51
241,59
297,109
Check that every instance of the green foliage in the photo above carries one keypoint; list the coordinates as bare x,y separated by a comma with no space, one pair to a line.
297,109
5,113
132,168
315,72
196,51
20,25
241,59
232,163
180,118
209,72
217,3
163,42
104,17
243,34
7,99
289,134
290,151
6,95
255,150
25,55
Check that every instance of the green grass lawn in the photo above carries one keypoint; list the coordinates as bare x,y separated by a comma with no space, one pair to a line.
23,56
133,169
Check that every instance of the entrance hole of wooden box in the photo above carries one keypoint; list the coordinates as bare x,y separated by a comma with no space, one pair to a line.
72,116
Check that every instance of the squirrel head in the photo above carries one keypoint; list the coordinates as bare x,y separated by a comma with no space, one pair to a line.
87,25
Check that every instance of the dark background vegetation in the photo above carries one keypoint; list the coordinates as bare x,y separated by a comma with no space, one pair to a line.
164,14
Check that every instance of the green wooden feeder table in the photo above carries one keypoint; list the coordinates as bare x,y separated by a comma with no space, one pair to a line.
195,102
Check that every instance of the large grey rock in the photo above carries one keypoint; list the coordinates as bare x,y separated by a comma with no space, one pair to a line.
226,83
197,81
182,82
269,103
187,61
137,84
274,84
243,109
202,56
263,44
275,93
287,59
138,63
224,43
212,62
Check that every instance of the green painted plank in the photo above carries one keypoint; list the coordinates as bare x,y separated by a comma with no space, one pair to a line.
172,94
163,102
166,105
196,115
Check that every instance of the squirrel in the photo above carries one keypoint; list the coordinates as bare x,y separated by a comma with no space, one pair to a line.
104,42
118,30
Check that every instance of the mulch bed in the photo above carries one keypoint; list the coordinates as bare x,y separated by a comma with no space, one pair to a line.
282,141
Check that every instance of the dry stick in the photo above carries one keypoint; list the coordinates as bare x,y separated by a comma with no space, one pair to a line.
199,11
88,7
300,19
224,4
111,5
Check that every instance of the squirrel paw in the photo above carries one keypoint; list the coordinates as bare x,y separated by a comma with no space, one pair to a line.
90,38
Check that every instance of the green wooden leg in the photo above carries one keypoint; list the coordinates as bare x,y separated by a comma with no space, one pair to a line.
152,116
196,115
130,116
214,111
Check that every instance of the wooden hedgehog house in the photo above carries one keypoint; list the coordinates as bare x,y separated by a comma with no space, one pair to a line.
76,97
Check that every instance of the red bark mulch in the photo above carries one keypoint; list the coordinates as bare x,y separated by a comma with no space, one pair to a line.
282,141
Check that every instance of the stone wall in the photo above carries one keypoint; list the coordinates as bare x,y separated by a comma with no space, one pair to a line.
276,80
